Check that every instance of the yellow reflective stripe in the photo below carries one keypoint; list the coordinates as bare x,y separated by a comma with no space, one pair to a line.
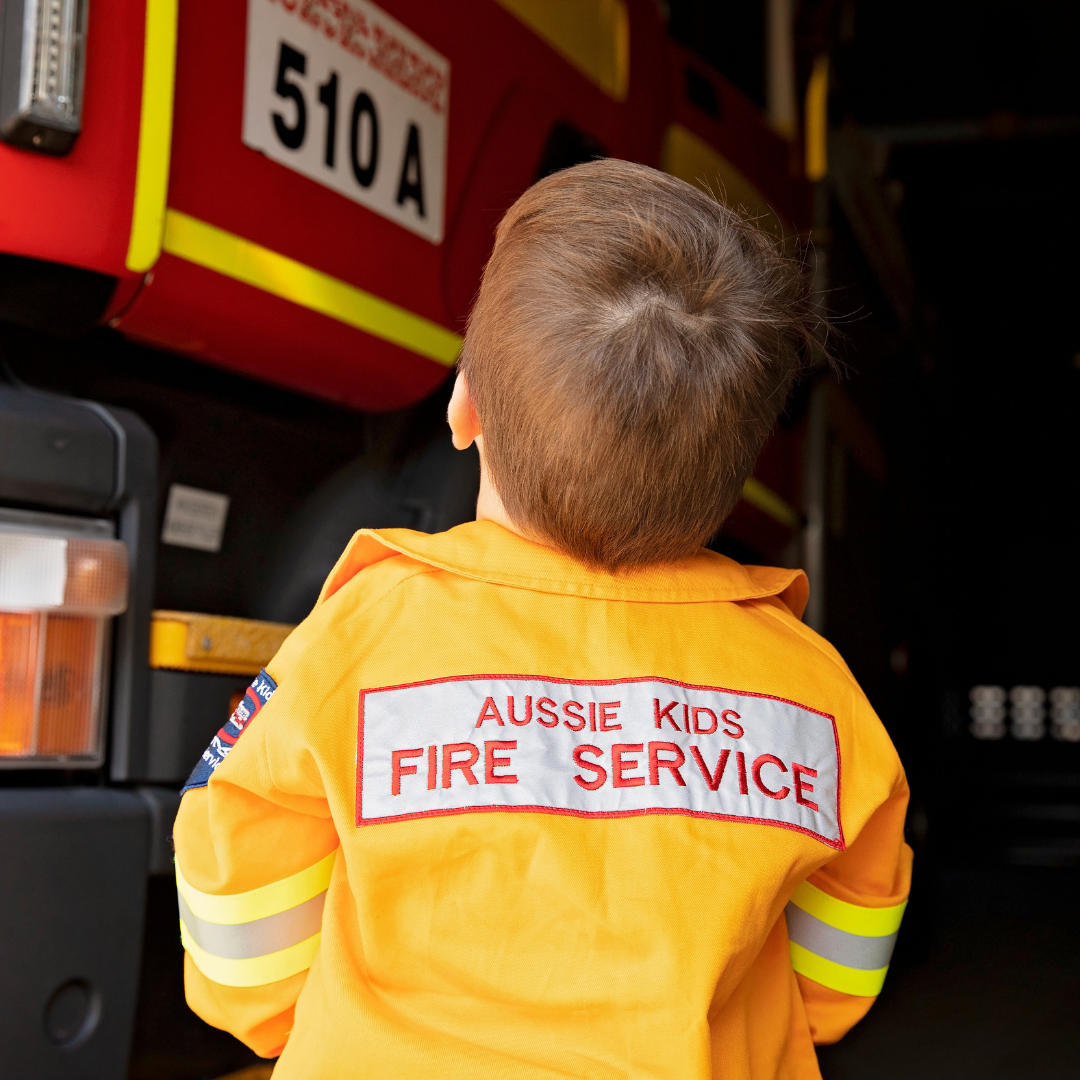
257,971
851,918
155,135
768,502
835,976
816,120
689,157
207,245
257,903
594,35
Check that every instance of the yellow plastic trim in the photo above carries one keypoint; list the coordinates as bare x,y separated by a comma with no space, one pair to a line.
768,502
155,135
851,918
207,245
593,35
257,971
187,641
258,903
834,976
816,122
168,643
690,158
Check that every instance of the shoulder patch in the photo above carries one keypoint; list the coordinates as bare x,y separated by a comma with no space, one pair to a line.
596,749
255,697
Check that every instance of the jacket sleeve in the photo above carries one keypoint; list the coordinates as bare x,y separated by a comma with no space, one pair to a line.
843,921
255,851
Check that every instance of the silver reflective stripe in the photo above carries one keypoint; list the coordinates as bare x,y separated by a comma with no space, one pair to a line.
851,950
243,941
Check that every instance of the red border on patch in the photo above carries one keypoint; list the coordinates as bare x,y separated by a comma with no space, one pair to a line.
839,844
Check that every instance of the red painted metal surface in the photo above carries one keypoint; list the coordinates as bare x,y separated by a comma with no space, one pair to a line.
77,209
202,314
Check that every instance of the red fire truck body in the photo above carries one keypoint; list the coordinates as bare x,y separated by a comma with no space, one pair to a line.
505,89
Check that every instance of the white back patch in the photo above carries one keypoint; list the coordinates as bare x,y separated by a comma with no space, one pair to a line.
604,749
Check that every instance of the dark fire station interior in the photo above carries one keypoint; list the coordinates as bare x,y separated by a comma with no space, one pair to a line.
944,241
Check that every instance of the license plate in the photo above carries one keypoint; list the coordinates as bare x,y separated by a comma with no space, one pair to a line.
342,93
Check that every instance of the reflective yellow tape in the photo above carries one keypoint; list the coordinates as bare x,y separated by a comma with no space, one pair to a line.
768,502
852,918
155,135
257,903
849,950
259,970
689,157
594,35
207,245
816,121
835,976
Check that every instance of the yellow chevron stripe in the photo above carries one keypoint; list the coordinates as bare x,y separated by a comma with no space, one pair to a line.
257,903
835,976
593,35
155,135
207,245
816,122
851,918
259,970
768,502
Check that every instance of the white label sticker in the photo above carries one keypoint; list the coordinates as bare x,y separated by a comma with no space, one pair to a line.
343,93
194,518
640,746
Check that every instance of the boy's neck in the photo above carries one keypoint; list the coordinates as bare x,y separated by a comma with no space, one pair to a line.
465,430
489,507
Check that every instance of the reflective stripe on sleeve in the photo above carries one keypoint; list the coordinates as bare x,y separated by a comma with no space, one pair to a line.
846,947
257,937
259,970
243,941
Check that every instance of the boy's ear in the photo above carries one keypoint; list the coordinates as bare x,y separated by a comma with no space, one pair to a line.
461,415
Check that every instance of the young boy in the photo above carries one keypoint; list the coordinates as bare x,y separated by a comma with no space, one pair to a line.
558,793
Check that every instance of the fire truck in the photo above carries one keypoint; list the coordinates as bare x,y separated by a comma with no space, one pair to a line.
238,245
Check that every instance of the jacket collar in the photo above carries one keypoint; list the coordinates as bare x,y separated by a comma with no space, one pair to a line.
485,551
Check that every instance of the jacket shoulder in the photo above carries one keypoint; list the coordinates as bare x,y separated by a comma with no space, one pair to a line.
804,640
873,772
366,572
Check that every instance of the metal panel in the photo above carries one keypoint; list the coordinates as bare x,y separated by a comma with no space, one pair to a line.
137,526
164,805
54,452
186,709
71,915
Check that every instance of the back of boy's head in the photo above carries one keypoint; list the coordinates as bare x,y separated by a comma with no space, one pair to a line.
631,346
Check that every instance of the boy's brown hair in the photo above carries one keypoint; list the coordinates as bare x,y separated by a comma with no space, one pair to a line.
631,346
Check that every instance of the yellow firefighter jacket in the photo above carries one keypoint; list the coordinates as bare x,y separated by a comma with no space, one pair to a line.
489,812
